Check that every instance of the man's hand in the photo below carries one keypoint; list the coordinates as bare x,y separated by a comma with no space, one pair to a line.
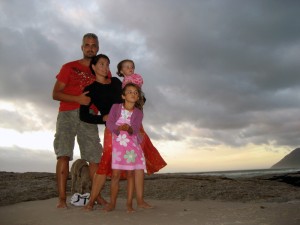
83,99
59,95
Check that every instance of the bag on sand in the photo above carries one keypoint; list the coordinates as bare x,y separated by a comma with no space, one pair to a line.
80,199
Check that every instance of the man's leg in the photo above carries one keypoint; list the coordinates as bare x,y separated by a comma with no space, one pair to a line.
90,150
62,173
66,128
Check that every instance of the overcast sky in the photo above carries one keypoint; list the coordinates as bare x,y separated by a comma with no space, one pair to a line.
221,77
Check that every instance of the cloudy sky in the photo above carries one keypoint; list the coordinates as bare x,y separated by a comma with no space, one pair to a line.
221,77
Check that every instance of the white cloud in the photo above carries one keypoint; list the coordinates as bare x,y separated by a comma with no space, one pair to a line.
36,140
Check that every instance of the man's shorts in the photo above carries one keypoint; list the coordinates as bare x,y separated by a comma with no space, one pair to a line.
68,126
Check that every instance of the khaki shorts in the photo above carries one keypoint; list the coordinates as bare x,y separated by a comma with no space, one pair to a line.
68,126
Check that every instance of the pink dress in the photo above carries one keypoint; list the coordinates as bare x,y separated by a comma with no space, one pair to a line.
127,153
134,78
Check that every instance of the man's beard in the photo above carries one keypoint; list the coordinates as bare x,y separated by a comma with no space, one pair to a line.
89,56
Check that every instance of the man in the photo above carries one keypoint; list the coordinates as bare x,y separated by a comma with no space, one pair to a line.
71,80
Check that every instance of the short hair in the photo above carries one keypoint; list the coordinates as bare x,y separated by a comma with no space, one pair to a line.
90,35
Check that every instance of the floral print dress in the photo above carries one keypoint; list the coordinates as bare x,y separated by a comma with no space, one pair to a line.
127,153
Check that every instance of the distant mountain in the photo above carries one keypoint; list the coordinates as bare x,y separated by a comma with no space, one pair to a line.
292,160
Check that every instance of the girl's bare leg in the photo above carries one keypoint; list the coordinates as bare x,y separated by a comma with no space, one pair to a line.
139,188
98,183
130,190
114,189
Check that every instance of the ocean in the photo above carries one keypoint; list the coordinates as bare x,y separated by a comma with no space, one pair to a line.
244,173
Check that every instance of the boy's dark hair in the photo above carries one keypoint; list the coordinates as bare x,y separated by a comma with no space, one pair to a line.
95,59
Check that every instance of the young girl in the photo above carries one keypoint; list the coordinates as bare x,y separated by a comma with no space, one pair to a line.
124,121
154,161
126,70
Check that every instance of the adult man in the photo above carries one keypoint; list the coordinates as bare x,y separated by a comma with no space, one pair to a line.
71,80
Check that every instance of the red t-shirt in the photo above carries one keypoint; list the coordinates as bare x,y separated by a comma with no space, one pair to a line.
76,77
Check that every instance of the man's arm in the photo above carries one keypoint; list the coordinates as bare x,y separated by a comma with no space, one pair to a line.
59,95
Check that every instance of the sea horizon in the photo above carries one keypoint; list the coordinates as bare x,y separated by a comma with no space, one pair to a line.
240,173
225,173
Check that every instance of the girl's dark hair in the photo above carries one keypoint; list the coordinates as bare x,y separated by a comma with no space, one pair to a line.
120,65
95,59
140,102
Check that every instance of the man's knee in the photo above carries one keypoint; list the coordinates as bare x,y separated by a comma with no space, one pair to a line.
63,158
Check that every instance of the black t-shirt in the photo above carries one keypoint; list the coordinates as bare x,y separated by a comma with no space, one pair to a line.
103,96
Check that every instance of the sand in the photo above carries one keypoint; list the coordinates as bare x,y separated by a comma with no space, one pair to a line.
177,199
204,212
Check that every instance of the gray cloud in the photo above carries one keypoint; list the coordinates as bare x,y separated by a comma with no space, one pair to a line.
229,68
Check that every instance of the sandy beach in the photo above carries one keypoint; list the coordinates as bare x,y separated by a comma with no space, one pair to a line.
177,199
204,212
